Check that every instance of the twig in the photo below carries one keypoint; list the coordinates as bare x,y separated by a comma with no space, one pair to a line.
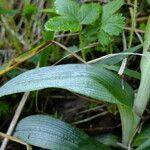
15,140
111,55
65,35
89,46
15,119
123,146
92,109
142,19
139,36
20,59
136,30
90,118
132,137
65,48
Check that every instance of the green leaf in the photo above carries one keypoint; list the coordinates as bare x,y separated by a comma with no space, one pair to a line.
142,137
44,57
114,25
148,1
50,133
72,16
88,13
103,37
67,8
108,139
88,80
128,123
111,23
29,10
142,140
62,24
144,146
117,58
68,19
129,72
111,8
143,94
87,36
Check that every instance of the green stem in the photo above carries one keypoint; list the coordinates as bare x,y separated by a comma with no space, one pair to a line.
82,47
144,89
143,94
133,24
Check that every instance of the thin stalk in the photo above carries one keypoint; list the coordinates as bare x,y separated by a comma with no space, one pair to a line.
133,24
72,53
82,47
90,118
12,138
15,119
22,58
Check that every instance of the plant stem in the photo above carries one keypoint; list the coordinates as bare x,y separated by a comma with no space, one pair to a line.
72,53
144,89
82,47
133,24
143,94
129,121
15,119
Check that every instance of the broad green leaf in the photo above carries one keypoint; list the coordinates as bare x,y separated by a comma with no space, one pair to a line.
111,23
111,8
143,94
50,133
108,139
144,146
128,72
88,35
112,60
68,8
88,80
72,16
88,13
103,37
128,122
142,137
114,25
62,24
68,19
